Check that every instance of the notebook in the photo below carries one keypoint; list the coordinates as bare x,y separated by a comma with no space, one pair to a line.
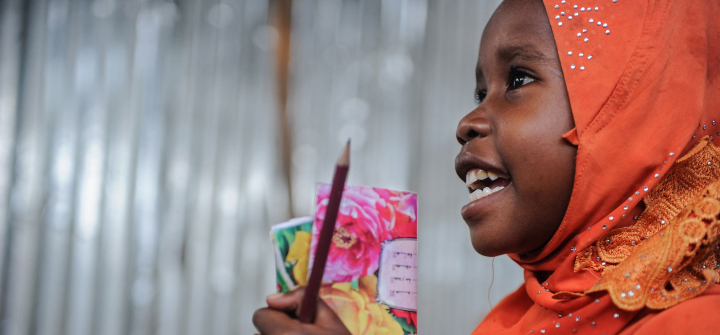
370,278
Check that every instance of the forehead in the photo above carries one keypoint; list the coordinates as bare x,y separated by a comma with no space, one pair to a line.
517,26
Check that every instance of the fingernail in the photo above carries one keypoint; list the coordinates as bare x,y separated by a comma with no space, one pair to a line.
274,296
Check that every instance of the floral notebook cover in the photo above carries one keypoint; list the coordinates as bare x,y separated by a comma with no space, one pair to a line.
370,278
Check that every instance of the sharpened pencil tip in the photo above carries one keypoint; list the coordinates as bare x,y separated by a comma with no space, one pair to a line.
345,156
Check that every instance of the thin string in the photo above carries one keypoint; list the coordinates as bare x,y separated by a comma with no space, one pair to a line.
492,280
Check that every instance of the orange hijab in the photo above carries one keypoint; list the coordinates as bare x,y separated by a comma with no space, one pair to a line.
643,77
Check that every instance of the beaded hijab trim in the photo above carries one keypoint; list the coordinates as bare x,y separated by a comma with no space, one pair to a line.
671,253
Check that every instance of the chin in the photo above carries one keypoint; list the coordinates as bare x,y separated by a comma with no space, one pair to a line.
488,245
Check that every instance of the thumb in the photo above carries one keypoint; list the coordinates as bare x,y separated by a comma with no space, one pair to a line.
288,302
291,302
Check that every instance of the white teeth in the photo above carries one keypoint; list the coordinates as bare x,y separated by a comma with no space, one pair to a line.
478,174
470,178
473,196
478,194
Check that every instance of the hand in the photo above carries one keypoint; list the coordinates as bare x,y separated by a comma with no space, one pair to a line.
280,318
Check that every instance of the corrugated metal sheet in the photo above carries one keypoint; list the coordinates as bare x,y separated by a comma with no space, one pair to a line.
140,153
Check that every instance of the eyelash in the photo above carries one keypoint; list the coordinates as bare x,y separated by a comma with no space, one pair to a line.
480,96
514,74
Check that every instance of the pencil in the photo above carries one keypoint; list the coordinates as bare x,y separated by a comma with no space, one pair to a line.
309,302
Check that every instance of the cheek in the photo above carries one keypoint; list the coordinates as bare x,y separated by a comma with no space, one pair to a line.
542,165
531,141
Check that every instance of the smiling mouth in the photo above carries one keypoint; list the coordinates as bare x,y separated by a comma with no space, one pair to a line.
483,183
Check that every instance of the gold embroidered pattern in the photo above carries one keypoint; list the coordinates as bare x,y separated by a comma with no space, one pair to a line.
671,253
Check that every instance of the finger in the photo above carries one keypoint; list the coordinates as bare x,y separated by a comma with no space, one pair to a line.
270,321
289,302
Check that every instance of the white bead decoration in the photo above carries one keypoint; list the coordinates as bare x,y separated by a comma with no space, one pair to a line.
586,40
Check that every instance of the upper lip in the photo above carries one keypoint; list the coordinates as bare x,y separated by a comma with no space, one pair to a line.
465,161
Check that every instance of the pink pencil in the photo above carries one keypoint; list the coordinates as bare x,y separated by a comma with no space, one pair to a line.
309,303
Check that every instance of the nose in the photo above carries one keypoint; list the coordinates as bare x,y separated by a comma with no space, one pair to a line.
471,126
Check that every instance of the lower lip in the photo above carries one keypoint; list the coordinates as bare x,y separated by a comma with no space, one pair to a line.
475,208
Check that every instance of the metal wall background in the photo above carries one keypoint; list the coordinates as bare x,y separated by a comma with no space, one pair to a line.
140,154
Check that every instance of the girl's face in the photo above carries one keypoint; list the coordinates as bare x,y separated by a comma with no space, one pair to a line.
514,136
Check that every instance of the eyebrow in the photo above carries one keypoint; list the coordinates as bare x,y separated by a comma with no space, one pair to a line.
507,53
524,51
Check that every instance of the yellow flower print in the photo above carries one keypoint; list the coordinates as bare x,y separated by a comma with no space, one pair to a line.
299,253
358,309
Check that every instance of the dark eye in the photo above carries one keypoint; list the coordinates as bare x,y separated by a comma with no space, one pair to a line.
519,79
480,96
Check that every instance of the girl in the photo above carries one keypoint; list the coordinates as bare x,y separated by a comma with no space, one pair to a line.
600,119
